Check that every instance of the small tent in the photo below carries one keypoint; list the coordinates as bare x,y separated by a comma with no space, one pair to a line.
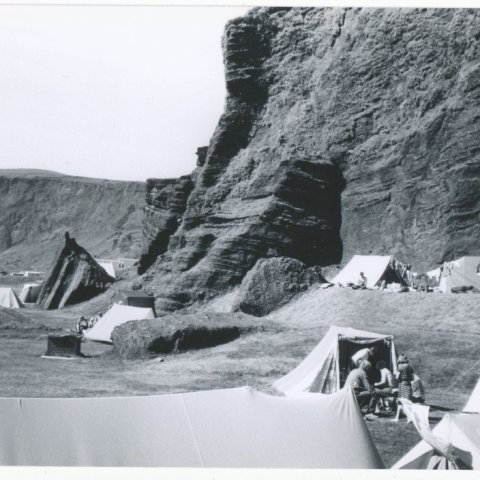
108,267
231,428
376,268
464,272
118,314
326,368
30,292
135,298
460,430
9,299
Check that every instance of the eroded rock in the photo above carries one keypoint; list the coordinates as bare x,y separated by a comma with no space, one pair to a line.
274,282
74,278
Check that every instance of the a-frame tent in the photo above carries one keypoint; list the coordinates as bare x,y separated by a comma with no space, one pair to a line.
463,272
30,292
231,428
461,431
325,369
376,268
118,314
9,299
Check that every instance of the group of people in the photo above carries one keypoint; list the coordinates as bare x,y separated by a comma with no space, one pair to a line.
375,386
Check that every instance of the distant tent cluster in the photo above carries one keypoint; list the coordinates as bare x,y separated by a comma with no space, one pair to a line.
380,271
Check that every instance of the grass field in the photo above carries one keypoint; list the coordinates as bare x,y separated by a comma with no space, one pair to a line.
440,333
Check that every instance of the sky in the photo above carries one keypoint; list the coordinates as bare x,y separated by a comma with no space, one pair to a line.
126,93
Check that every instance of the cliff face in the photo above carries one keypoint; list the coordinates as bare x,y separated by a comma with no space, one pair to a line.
37,207
345,131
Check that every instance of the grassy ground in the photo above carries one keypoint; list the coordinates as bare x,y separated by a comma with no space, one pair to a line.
440,333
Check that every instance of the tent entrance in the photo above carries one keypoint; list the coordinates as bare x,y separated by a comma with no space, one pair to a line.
348,346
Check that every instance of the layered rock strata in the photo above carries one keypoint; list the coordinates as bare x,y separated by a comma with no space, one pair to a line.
345,131
74,278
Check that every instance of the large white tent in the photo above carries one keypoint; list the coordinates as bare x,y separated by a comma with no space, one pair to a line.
325,369
375,267
114,317
9,299
462,272
232,428
30,292
460,430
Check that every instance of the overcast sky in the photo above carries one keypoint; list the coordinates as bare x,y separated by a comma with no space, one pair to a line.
113,92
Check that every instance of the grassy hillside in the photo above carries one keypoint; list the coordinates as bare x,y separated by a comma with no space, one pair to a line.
440,333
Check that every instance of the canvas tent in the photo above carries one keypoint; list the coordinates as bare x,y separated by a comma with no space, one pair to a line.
460,430
229,428
135,298
326,368
464,272
30,292
108,267
9,299
118,314
376,268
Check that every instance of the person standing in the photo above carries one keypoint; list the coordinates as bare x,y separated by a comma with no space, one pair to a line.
404,377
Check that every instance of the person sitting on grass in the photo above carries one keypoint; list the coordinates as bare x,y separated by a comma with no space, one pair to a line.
361,282
363,389
418,390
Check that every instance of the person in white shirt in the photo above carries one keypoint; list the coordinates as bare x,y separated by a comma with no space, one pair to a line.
386,383
365,354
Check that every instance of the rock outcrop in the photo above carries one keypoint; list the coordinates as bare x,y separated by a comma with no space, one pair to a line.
179,333
166,201
274,282
345,131
75,277
105,216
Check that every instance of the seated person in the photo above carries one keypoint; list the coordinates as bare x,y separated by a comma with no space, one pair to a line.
82,324
361,282
418,390
386,384
363,389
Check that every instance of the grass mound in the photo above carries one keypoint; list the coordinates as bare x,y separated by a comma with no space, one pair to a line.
10,318
181,332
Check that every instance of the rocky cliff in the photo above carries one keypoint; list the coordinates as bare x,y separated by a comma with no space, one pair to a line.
345,131
37,207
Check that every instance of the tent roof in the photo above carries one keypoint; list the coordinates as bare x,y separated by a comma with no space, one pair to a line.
114,317
373,266
9,299
108,267
302,377
234,428
462,430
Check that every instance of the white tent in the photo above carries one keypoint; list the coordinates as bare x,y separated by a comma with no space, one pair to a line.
108,267
325,369
114,317
30,292
375,267
229,428
462,272
461,431
9,299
